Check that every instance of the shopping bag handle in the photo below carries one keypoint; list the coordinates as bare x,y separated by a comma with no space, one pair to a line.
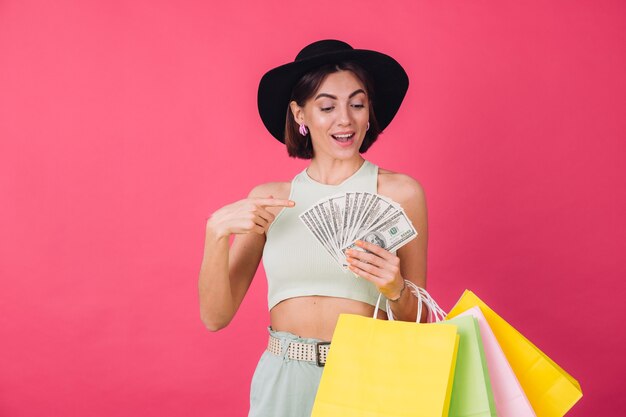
435,313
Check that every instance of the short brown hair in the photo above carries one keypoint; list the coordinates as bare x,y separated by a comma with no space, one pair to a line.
299,146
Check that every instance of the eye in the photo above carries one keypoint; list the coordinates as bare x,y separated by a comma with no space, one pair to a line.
358,106
326,109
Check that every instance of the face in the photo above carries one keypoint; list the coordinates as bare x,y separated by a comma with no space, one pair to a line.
336,115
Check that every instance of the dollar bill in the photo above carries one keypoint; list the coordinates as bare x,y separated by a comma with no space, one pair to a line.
391,234
341,219
317,230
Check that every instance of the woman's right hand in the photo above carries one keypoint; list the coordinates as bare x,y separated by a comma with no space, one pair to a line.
249,215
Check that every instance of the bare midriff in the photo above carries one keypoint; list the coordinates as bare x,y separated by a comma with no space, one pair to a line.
316,316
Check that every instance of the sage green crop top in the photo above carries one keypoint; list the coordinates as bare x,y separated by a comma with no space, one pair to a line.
295,263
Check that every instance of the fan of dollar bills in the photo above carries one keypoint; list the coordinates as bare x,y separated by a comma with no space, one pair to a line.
339,220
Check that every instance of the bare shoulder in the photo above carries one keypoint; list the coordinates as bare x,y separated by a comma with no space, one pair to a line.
280,190
275,189
409,193
400,187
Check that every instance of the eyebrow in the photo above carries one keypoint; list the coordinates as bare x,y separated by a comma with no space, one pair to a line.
360,90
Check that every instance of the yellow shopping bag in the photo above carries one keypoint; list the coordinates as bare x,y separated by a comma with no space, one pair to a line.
550,390
387,368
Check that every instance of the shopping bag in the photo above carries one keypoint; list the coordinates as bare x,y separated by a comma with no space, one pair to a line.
471,390
387,368
550,389
508,395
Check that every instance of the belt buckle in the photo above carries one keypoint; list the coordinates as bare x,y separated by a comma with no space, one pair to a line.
317,353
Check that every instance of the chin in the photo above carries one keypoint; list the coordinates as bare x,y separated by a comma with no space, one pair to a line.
347,154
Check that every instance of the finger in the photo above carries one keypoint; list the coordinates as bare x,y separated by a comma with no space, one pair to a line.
247,222
366,275
248,226
275,202
384,270
260,221
383,253
372,269
265,214
366,257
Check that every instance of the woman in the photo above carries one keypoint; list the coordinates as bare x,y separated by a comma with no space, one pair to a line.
329,106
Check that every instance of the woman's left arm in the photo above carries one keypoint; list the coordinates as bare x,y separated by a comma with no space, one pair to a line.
388,271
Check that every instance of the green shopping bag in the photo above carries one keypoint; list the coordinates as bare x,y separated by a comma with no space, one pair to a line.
471,390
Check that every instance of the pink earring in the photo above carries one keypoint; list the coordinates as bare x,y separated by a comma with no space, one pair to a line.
303,130
368,126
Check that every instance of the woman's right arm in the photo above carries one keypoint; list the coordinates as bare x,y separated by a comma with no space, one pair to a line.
227,270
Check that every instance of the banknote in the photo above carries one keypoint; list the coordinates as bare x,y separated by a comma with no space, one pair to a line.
391,234
339,220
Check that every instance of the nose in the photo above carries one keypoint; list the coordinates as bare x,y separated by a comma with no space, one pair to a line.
344,116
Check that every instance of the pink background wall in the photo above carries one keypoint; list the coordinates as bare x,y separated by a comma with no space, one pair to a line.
125,124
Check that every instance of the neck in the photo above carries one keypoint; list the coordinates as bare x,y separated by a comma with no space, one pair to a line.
334,171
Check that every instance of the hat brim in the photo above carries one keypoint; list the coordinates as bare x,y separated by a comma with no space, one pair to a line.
389,78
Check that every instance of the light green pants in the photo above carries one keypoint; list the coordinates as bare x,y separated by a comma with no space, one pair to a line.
283,387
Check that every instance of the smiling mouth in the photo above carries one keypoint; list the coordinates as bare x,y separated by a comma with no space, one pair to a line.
343,138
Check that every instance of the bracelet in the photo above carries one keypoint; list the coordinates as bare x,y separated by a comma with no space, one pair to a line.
400,295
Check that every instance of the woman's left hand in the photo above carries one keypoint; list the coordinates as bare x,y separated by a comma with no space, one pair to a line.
380,267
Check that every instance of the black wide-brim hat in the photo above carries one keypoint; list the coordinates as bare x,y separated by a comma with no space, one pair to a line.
389,78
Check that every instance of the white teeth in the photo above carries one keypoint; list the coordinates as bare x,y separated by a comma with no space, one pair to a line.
349,135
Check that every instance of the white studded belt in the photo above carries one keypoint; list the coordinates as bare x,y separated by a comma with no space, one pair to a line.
309,352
